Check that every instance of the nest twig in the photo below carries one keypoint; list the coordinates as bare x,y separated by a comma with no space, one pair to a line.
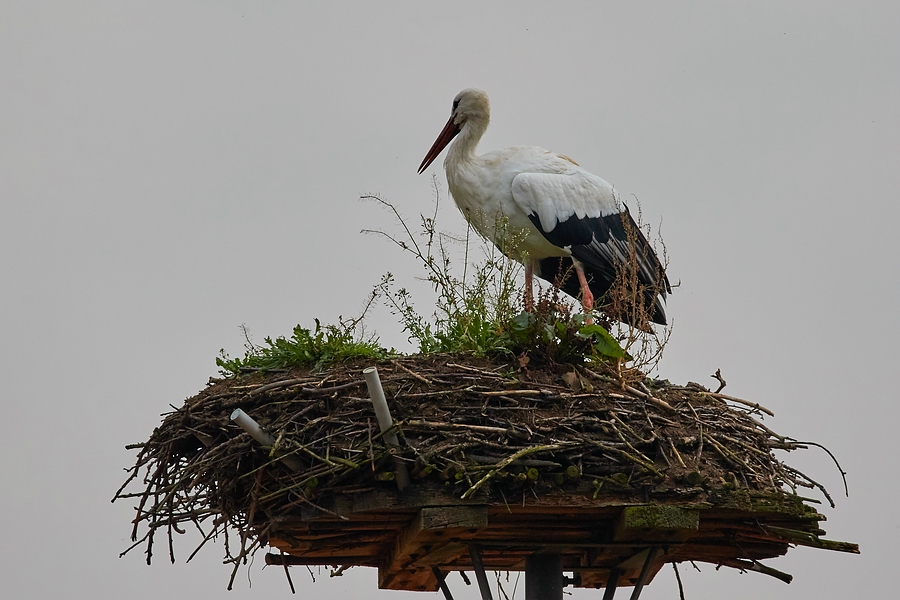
477,426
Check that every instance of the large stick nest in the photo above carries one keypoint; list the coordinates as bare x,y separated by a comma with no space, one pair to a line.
482,430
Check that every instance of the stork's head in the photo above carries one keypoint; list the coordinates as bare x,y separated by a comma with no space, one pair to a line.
470,106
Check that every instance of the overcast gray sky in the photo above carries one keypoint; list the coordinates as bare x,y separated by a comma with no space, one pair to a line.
171,170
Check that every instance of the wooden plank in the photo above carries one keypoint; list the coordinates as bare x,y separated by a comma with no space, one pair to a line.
348,561
444,555
656,523
407,536
415,497
716,553
454,517
808,539
405,569
628,569
387,498
335,546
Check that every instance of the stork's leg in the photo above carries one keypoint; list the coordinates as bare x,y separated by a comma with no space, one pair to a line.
587,297
529,280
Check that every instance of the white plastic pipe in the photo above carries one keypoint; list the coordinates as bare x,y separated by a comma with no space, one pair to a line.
382,412
262,436
252,427
385,421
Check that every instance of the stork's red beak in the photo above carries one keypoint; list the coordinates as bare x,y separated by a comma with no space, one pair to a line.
447,133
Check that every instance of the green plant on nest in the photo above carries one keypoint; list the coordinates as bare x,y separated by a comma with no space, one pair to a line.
478,312
481,311
552,333
322,346
472,310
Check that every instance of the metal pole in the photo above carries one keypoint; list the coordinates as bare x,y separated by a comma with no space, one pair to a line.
645,574
543,577
480,575
611,583
442,583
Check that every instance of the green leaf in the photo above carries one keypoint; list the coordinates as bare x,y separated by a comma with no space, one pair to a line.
523,321
602,342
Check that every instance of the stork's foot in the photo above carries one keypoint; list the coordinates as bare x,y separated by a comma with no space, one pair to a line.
587,297
587,305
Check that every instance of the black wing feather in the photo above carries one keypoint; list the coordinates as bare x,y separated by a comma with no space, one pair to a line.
601,245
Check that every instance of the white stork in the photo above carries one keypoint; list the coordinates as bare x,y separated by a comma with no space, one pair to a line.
557,209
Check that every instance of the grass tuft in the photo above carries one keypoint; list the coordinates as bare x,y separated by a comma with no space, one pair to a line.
319,347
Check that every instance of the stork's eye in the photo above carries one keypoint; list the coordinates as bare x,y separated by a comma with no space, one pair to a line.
455,103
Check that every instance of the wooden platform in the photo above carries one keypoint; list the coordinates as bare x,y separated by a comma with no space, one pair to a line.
406,534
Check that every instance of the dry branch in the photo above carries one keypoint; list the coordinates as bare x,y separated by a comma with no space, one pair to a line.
466,427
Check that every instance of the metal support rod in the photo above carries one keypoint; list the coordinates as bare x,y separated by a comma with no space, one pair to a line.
442,583
543,577
385,421
480,575
262,436
645,574
611,583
